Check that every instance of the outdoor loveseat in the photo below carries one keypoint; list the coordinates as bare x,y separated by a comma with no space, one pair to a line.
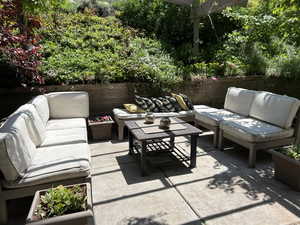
257,120
43,144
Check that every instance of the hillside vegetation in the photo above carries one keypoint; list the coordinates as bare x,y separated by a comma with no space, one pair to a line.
150,41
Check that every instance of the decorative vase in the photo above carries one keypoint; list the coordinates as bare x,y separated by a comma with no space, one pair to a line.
165,123
149,118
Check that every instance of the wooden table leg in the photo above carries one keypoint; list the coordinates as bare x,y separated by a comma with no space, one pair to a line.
172,143
143,159
130,141
193,150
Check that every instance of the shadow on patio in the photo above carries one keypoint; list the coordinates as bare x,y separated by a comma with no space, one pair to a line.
221,190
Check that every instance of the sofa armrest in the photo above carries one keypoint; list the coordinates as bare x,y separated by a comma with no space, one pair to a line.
73,104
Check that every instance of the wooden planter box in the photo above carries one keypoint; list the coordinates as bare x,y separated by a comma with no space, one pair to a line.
101,130
79,218
287,169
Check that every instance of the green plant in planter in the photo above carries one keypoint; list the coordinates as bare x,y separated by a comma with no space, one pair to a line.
292,151
61,200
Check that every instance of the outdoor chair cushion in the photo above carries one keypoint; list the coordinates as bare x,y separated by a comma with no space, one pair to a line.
239,100
213,117
55,163
68,104
35,125
41,104
65,136
275,109
60,124
16,148
253,130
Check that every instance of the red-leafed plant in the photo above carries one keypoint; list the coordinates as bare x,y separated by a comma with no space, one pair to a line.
19,46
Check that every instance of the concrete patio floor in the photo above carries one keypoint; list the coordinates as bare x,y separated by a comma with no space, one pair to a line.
221,190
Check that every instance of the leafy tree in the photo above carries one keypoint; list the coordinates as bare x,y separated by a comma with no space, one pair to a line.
19,48
19,44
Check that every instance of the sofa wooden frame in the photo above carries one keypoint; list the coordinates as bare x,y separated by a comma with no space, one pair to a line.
210,127
10,194
257,146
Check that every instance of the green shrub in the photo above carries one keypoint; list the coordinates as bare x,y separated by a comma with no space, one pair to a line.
205,69
101,8
286,66
292,151
61,201
85,48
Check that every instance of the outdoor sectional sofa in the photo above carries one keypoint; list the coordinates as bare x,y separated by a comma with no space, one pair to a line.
257,120
43,144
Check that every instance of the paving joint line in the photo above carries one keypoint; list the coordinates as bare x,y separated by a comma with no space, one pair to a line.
182,196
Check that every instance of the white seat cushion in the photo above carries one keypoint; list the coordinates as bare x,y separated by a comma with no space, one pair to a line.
41,104
205,108
16,148
214,117
65,137
253,130
124,114
56,163
275,109
73,104
35,125
239,100
59,124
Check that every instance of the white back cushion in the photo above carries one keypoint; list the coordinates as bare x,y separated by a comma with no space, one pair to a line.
68,104
41,104
35,125
239,100
275,109
16,148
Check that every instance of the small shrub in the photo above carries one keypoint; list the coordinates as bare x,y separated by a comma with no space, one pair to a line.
292,151
286,65
101,8
61,201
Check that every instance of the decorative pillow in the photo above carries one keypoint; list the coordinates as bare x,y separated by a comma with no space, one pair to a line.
168,105
151,107
140,102
132,108
146,104
160,105
174,102
180,101
187,101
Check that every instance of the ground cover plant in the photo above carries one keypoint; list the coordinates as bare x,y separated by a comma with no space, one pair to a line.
84,48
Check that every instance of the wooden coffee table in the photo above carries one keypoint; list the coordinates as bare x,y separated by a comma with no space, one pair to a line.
153,142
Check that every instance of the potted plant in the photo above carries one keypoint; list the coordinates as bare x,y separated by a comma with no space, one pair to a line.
101,127
287,165
62,205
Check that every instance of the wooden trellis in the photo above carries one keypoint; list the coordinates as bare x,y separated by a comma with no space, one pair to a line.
200,8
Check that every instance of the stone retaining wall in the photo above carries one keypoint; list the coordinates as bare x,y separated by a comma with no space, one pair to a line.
104,97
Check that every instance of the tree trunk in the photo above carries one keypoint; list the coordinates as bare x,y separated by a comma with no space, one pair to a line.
196,26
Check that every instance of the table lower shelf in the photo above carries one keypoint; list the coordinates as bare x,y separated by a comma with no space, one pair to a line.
161,153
